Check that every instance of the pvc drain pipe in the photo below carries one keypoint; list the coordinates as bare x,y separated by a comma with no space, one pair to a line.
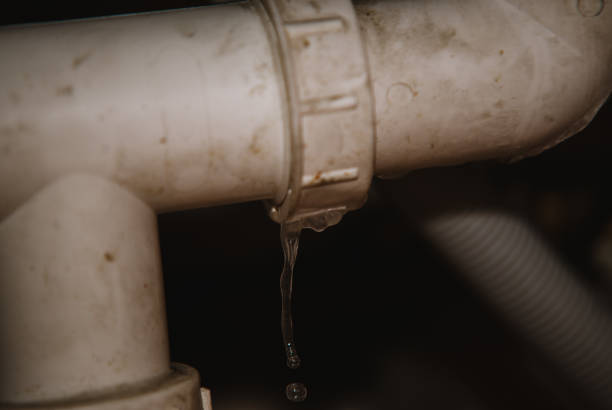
104,122
459,81
203,106
81,294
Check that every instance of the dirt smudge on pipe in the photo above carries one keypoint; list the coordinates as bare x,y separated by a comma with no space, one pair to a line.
80,59
108,256
229,44
65,91
315,5
255,145
186,30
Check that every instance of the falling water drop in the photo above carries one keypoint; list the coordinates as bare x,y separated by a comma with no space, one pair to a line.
296,392
293,360
290,239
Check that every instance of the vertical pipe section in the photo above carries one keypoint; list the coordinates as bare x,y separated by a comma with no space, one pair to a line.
183,108
81,294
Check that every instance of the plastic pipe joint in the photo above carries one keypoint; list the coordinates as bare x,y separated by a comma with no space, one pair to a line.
330,155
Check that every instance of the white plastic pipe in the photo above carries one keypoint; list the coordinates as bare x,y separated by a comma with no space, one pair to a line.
463,80
81,294
183,108
186,108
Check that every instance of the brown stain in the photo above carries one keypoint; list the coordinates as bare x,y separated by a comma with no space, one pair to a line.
80,59
432,145
497,78
433,37
306,43
501,52
187,32
315,5
65,91
486,114
255,146
317,176
375,20
163,140
108,256
445,36
499,104
229,44
146,285
549,118
384,28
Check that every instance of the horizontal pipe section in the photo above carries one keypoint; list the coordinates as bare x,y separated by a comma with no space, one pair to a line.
184,108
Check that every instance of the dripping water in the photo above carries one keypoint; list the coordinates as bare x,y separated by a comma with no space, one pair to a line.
290,239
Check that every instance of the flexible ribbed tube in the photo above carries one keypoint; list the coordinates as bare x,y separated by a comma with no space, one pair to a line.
527,282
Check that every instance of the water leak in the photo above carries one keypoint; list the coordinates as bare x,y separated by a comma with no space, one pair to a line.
290,240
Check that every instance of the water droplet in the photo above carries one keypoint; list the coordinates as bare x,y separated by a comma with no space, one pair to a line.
293,360
296,392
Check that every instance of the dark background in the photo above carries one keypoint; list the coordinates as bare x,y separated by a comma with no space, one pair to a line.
382,321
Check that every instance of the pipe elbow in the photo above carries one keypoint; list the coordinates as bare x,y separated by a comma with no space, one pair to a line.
460,81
